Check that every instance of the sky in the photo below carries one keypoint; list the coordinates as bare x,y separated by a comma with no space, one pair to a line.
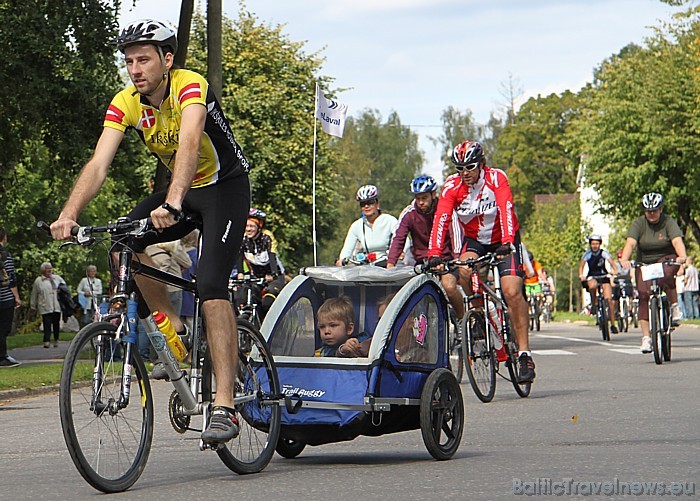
417,57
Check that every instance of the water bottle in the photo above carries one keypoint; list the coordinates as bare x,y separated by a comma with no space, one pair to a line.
496,324
176,345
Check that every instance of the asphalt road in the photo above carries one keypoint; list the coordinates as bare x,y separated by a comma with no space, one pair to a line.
599,412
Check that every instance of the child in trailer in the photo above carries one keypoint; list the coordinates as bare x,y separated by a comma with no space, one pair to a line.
336,323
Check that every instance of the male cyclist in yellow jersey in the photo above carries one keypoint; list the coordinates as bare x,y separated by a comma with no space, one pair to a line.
179,119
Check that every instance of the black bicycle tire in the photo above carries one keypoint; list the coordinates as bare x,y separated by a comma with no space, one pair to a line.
441,414
655,329
523,390
489,364
263,457
604,325
666,343
68,413
538,312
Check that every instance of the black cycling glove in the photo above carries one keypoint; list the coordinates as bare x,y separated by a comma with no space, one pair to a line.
504,250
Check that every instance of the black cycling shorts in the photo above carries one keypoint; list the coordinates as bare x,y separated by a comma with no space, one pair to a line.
223,208
511,265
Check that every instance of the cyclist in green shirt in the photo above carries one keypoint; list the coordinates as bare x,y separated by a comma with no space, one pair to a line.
657,237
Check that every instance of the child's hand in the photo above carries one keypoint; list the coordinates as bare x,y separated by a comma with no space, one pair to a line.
351,348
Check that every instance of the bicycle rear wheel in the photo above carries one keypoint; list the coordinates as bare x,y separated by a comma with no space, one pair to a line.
480,359
256,402
523,390
656,330
109,444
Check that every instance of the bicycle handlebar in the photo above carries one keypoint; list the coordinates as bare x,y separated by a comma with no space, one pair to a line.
491,257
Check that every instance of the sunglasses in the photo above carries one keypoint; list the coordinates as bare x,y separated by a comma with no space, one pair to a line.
467,167
367,203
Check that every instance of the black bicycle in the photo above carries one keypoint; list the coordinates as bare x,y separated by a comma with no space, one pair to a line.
660,324
105,400
602,308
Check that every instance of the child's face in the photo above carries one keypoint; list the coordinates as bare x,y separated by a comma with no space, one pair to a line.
334,332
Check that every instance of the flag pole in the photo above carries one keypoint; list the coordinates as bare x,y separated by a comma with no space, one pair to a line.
313,176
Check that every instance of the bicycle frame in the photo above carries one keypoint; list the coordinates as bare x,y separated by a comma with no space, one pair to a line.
127,265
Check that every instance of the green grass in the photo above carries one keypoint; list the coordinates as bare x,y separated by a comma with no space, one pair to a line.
565,316
30,376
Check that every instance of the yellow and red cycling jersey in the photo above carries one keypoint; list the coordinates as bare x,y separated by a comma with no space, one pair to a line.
220,157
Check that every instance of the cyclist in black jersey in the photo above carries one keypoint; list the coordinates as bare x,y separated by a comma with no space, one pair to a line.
596,258
259,260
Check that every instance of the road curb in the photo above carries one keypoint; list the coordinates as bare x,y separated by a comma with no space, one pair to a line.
27,392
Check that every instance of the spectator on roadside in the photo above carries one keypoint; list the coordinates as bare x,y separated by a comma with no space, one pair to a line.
89,291
9,299
44,300
171,257
692,290
189,244
680,289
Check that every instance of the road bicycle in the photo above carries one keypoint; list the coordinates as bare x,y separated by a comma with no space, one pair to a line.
488,340
106,403
660,325
602,312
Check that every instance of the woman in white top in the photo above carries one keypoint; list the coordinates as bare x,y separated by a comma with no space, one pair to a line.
89,292
372,232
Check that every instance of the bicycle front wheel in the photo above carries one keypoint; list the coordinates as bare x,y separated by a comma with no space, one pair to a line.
480,359
456,354
108,440
603,319
523,390
666,335
656,330
256,401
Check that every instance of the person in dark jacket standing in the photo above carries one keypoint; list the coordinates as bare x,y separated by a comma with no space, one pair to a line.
9,299
416,220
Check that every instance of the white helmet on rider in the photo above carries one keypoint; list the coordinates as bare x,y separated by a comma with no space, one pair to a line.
367,192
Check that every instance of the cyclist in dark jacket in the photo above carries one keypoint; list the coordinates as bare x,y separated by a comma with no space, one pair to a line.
416,220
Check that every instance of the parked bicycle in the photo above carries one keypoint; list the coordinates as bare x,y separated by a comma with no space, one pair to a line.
488,340
660,325
106,404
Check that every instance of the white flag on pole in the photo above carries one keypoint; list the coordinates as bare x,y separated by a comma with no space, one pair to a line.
332,114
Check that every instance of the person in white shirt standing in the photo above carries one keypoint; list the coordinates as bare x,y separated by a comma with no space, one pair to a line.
692,290
89,292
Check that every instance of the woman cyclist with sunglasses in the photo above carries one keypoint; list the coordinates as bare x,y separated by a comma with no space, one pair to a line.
483,202
372,231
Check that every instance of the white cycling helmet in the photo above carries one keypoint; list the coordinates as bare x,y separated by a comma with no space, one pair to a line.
147,31
652,201
367,192
595,236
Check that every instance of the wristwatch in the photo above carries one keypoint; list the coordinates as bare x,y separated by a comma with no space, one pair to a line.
177,214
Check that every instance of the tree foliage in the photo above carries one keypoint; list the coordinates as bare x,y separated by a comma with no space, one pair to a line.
59,74
640,128
532,149
268,94
457,126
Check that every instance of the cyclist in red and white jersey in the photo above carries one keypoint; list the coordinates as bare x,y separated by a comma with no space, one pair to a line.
483,202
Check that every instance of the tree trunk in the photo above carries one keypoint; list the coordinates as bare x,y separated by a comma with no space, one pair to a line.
214,46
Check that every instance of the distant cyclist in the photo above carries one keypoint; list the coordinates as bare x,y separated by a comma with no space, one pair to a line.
657,238
416,221
599,262
260,261
372,232
533,284
483,202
